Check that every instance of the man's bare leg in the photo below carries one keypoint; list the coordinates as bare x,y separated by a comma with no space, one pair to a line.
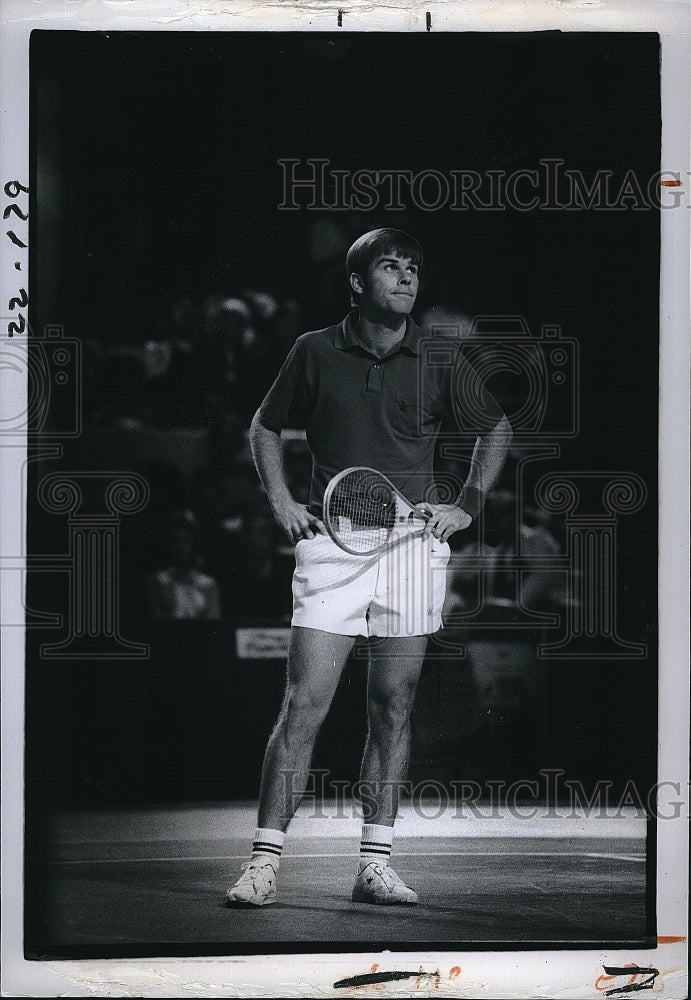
315,664
394,672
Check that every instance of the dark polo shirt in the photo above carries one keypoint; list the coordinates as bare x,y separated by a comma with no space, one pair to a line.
385,413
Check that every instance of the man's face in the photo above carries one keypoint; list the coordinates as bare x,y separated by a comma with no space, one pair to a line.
390,285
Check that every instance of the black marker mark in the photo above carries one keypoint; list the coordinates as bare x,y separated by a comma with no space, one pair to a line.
12,189
382,977
631,970
15,239
428,21
340,19
13,328
19,302
17,211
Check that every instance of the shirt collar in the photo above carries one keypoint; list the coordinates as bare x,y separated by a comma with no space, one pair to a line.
346,335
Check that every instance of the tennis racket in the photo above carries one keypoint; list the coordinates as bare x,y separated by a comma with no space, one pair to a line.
361,509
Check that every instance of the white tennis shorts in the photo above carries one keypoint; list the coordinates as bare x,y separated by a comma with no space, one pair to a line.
397,592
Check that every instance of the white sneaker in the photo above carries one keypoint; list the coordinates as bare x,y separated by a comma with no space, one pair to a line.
256,886
379,883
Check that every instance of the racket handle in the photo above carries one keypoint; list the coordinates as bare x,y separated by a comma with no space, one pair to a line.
489,536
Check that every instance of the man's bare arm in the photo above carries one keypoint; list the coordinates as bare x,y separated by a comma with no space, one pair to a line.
291,516
486,464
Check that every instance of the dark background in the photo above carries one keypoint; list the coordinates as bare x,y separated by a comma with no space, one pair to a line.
156,180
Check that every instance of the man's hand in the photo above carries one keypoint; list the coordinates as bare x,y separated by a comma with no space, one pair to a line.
296,520
445,519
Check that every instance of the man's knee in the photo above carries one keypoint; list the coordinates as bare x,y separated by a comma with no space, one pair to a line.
303,711
389,709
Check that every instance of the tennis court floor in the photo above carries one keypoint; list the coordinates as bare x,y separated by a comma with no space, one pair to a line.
105,881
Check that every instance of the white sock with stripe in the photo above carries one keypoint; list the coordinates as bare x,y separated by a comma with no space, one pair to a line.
268,844
375,844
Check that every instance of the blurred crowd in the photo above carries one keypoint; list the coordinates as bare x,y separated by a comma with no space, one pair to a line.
207,368
207,548
206,545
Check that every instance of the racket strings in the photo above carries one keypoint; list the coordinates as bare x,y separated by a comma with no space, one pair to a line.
362,510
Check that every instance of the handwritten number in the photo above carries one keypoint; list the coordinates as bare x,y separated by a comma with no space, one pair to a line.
17,211
19,303
15,239
12,189
14,328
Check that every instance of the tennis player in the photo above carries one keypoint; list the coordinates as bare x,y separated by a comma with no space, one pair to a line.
366,395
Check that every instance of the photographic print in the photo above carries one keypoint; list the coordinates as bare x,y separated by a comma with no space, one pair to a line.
344,558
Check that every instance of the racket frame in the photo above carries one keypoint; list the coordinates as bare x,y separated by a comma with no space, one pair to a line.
412,512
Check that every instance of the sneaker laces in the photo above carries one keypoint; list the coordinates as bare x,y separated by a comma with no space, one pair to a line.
248,868
388,876
391,878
